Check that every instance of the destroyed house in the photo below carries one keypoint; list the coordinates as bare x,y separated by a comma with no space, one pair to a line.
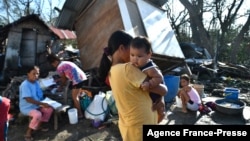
94,21
24,43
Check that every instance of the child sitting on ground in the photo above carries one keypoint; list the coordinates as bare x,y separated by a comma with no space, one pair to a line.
189,96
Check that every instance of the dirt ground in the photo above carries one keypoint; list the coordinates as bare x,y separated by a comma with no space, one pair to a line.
82,131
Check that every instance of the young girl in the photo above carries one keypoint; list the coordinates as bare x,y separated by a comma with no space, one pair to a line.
70,71
189,96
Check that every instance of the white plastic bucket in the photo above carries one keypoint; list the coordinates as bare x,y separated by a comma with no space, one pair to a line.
73,118
178,102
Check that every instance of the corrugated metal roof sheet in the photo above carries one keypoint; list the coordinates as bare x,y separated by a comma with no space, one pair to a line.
63,34
70,11
5,30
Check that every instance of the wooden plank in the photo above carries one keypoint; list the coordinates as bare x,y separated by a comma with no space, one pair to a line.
93,33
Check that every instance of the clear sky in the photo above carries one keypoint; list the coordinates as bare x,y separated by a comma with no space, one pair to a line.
55,3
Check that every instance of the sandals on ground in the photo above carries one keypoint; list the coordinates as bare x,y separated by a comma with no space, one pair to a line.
80,117
28,138
43,129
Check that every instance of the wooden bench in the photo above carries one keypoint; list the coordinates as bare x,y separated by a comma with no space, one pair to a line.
56,115
64,107
61,97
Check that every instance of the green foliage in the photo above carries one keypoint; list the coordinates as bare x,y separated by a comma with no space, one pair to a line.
243,56
2,21
70,42
183,37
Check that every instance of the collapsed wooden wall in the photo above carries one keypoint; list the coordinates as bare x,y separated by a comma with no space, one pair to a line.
93,28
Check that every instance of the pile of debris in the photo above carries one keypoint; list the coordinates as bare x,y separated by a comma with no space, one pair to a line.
216,87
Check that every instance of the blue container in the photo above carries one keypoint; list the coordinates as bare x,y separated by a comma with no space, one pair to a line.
231,93
172,82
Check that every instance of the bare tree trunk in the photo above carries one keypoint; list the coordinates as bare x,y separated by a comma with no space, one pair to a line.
237,41
203,35
195,33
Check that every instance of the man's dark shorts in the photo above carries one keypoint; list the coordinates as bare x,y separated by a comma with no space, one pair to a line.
79,85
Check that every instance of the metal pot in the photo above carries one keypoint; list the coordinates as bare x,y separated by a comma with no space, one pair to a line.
230,106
